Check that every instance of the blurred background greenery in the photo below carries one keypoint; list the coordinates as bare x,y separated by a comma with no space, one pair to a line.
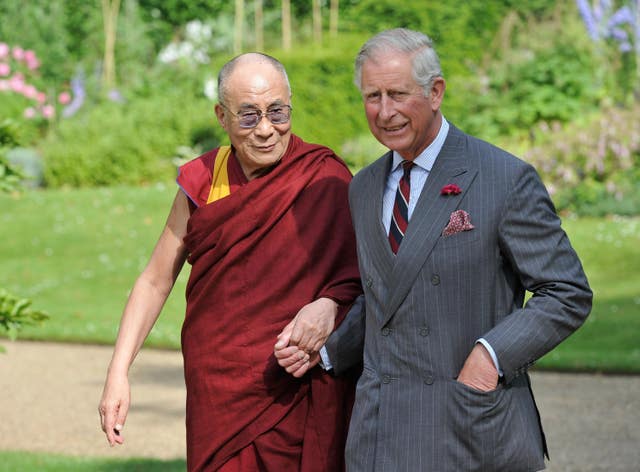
100,100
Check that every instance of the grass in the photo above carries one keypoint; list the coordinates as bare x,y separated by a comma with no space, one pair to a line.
608,341
76,254
11,461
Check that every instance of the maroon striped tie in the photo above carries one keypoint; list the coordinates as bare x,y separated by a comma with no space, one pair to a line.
400,217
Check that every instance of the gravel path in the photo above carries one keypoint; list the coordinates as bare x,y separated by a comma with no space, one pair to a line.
49,395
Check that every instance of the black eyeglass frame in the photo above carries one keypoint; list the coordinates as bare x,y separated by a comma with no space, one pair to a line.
259,114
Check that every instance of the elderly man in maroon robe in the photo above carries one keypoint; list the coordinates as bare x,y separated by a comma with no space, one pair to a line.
265,225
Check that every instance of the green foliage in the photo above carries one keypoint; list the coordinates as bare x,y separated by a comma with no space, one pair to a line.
165,17
10,176
541,70
112,143
17,312
328,118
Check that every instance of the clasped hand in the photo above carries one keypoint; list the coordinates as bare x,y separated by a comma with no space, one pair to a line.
297,346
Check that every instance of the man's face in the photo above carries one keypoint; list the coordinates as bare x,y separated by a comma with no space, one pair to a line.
255,86
398,113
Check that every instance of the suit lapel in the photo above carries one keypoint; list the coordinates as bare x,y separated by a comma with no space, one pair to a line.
379,252
430,216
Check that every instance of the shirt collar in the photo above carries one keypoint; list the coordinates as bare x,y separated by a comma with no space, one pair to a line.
427,158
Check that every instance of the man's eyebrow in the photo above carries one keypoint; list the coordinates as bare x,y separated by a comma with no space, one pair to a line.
248,106
253,106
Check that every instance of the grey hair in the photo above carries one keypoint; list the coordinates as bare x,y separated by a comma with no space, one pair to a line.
425,63
229,67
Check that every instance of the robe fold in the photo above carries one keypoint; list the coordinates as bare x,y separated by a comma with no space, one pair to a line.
258,255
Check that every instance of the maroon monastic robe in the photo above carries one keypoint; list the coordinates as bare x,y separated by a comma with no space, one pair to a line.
275,244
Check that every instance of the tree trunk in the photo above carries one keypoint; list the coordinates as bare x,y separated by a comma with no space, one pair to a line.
333,18
259,25
239,22
286,25
317,22
110,10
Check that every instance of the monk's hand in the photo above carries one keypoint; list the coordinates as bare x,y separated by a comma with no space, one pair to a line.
313,324
479,371
294,360
113,407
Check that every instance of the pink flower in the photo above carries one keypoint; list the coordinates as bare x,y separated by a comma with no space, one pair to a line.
30,92
450,189
29,55
4,50
16,83
41,98
48,111
18,53
33,65
29,113
5,69
64,98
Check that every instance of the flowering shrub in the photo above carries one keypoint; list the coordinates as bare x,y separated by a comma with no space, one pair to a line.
19,77
591,165
615,34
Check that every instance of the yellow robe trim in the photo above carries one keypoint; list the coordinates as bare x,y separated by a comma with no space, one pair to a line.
220,180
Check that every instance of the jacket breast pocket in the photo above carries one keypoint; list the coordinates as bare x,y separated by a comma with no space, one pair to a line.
459,239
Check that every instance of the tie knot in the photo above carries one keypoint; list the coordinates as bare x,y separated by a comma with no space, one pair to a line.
407,165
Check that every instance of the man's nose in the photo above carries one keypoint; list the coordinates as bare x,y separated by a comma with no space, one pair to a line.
387,107
264,126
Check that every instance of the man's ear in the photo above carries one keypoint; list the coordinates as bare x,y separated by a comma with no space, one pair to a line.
221,115
437,92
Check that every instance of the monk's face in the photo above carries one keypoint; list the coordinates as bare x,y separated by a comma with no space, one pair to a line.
255,87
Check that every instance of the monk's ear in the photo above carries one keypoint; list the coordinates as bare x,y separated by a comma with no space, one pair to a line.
221,115
437,92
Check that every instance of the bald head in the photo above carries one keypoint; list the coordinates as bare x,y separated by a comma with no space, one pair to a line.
253,59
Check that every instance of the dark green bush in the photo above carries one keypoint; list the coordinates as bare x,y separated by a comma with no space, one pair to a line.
125,143
540,70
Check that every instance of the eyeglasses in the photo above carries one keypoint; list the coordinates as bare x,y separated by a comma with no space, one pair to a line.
248,119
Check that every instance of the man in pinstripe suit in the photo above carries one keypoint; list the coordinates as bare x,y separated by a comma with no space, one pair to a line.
447,339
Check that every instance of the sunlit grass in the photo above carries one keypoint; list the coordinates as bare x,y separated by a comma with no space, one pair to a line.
11,461
76,254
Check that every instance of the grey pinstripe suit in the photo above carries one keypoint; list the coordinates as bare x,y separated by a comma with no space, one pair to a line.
427,306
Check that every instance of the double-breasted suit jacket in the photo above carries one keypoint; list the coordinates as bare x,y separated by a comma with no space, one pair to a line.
428,305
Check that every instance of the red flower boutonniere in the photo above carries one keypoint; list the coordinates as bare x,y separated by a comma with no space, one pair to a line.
450,189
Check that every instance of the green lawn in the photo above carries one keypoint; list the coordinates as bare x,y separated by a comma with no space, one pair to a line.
76,253
30,461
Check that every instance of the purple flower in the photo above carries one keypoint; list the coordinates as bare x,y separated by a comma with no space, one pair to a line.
588,18
77,88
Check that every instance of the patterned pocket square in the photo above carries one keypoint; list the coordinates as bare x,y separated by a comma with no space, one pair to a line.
458,221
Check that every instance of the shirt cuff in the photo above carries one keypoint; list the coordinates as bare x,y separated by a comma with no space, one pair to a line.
325,362
492,353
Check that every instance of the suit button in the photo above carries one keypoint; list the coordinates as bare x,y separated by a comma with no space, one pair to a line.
386,331
386,379
424,331
435,279
428,379
368,282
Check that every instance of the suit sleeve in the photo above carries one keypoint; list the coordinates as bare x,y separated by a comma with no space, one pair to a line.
538,252
345,345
